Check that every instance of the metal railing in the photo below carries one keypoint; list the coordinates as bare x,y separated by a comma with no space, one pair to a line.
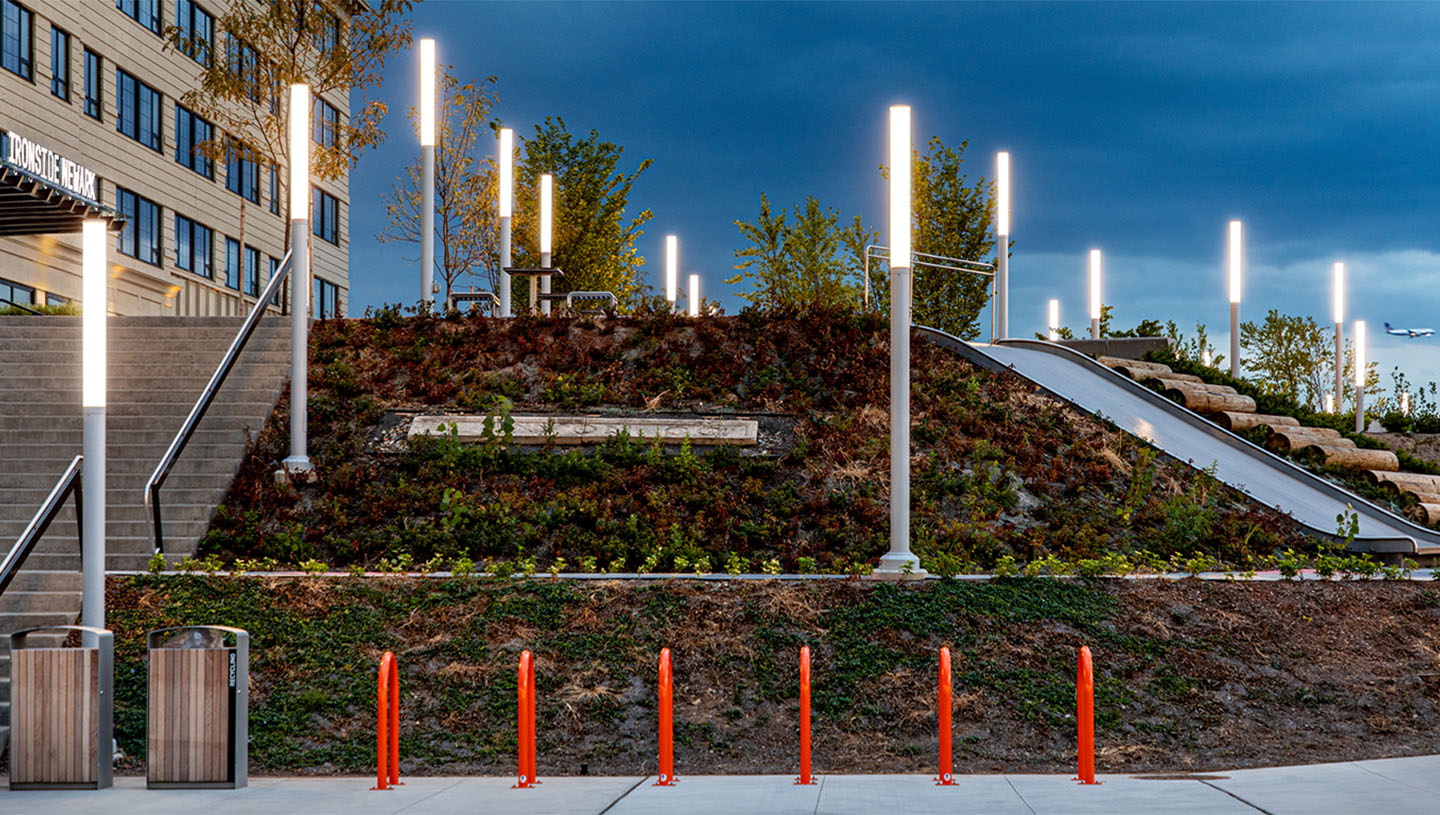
192,421
68,483
929,261
20,306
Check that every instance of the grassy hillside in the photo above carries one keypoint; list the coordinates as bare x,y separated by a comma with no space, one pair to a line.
1190,675
999,470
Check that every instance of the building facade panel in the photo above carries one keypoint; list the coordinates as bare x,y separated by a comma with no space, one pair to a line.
50,264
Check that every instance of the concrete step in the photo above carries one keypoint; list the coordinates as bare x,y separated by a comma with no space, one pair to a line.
119,436
122,333
230,392
43,580
64,531
42,601
116,466
117,449
32,415
126,512
158,378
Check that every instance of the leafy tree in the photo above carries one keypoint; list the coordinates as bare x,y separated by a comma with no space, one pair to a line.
468,236
264,48
806,262
952,218
1287,356
593,238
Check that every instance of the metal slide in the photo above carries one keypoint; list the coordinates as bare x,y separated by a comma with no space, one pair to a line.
1185,435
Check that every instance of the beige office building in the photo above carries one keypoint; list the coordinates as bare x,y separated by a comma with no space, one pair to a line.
92,125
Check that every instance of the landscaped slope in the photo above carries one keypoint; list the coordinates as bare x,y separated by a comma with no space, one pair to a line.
999,470
1190,675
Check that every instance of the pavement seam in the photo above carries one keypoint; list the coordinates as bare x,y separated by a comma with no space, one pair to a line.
818,793
1378,774
1255,807
428,797
1018,795
623,795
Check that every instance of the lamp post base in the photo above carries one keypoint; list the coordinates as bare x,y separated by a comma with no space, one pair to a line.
899,564
298,464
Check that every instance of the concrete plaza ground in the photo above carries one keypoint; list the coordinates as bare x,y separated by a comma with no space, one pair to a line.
1402,785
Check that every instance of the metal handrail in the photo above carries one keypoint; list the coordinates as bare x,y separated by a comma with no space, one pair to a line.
69,483
929,261
21,306
192,421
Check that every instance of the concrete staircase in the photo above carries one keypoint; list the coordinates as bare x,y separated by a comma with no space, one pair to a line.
157,368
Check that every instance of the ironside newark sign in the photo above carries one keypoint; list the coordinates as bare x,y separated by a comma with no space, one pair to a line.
49,166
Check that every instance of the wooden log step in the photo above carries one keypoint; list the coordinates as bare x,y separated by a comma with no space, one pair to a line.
1240,422
1350,458
1422,497
1134,368
1426,514
1286,439
1202,400
1178,380
1397,481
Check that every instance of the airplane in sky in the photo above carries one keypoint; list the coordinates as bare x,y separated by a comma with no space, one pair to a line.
1409,332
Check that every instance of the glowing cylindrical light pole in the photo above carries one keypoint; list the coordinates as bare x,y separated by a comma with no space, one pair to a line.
694,297
900,560
547,222
1405,403
507,209
1205,357
672,269
1002,240
1236,252
1338,297
1054,322
1095,294
1329,403
92,473
427,173
1359,376
299,459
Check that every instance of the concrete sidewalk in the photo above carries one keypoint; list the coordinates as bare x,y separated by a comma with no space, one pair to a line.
1403,785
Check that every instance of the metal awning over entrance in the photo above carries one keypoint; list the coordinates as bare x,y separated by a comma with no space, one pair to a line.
30,206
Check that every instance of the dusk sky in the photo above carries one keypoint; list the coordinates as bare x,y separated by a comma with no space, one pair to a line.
1139,128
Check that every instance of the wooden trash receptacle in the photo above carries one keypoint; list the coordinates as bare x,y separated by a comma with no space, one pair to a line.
61,708
198,717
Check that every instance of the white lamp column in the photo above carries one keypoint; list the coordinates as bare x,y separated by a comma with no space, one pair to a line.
299,458
507,210
900,559
672,269
1002,240
1338,294
547,216
694,297
1054,323
1095,305
92,473
427,174
1236,258
1359,376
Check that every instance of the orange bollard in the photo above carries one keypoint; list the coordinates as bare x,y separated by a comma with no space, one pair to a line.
525,720
947,776
1085,715
387,730
805,717
667,746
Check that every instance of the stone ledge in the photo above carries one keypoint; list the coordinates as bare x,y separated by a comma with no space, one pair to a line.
576,430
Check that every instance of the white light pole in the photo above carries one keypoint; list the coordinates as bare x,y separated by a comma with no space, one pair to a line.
1095,294
1359,376
427,174
1236,255
672,265
1405,403
547,216
1338,296
1205,357
92,473
694,295
1054,320
1002,240
1329,403
299,459
507,209
900,559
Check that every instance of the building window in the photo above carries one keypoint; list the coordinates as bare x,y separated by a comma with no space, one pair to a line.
194,247
252,271
274,190
94,84
191,131
326,302
326,216
144,12
60,64
232,263
242,177
15,293
137,110
244,62
326,124
55,299
140,238
274,270
17,39
197,31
